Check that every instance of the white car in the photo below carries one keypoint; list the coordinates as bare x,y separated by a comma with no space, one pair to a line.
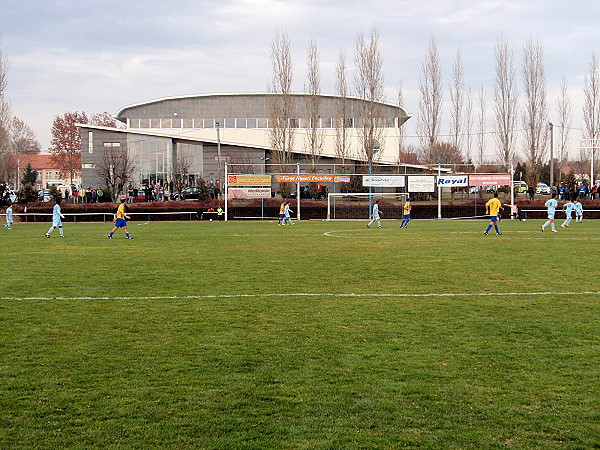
542,188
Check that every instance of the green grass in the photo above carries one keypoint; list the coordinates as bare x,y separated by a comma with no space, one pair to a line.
198,335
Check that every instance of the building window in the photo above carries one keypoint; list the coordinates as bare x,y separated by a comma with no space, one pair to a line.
90,142
240,123
88,166
112,144
251,123
48,175
57,175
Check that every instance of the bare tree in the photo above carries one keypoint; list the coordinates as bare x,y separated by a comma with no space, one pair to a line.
180,167
401,132
368,81
591,107
104,119
6,159
22,138
481,127
342,113
280,105
457,103
535,117
116,168
315,138
506,98
430,103
565,118
468,141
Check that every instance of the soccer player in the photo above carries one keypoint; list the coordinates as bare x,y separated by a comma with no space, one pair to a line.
578,211
514,211
551,204
56,220
287,212
406,216
568,209
281,214
9,217
375,215
492,208
120,219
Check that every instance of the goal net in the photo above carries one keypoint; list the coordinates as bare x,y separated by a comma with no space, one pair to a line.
357,206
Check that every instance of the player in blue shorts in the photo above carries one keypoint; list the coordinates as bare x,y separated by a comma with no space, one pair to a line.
406,216
120,220
493,207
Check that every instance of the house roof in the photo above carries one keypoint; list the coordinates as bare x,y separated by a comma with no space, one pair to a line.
38,162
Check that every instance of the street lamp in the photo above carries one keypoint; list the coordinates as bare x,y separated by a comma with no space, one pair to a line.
551,157
218,151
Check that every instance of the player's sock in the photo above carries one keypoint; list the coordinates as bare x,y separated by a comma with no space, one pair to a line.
110,234
496,228
553,229
488,228
60,230
50,231
127,235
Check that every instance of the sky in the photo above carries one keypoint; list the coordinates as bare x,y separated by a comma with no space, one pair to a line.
97,56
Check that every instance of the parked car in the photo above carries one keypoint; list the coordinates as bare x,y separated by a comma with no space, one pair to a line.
304,193
192,193
542,188
520,186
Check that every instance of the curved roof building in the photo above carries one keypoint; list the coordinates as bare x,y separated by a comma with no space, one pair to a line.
211,129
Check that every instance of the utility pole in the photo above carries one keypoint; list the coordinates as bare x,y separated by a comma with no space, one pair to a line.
218,152
551,157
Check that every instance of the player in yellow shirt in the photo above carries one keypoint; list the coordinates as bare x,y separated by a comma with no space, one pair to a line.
281,213
493,207
120,219
406,216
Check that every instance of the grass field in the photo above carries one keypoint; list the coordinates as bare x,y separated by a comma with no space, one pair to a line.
320,335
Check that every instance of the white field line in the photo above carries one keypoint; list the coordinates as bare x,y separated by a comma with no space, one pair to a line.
305,294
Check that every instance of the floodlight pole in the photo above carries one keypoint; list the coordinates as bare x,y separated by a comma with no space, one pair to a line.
552,158
298,196
218,151
226,186
439,192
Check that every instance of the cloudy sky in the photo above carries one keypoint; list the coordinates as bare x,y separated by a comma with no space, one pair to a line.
96,56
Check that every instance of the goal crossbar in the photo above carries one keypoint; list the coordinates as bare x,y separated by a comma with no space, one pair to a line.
336,197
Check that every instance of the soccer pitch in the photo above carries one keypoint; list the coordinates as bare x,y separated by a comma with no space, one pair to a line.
320,334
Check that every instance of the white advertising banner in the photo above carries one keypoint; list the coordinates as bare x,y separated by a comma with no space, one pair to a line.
258,192
384,180
452,180
421,183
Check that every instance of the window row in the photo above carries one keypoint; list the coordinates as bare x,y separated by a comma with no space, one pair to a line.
242,123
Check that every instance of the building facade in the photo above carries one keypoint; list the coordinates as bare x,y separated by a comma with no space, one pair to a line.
194,136
47,172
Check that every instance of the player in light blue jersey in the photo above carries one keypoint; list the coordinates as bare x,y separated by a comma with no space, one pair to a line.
56,220
568,209
375,215
551,204
9,217
578,211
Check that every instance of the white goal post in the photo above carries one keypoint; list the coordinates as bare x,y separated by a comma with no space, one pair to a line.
357,206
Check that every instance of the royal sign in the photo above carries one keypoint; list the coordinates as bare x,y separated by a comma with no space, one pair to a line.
452,180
